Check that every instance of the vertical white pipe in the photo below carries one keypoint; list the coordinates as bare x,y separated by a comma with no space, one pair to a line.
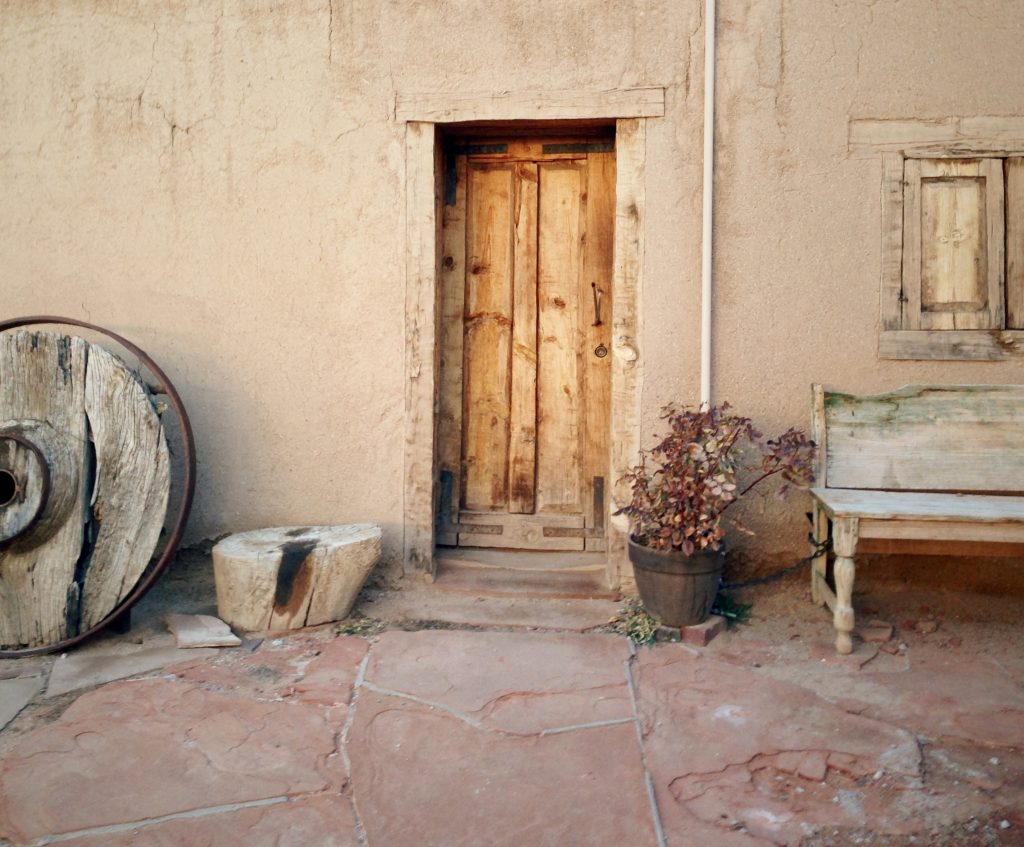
709,182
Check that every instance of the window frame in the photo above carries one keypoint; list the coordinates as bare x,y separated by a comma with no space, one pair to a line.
986,138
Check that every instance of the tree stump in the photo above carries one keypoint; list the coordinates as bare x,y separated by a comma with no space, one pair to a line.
84,486
291,577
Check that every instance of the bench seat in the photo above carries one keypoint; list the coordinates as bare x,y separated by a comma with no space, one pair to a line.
921,506
924,463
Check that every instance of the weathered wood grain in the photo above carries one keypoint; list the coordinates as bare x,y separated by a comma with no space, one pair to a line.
968,136
132,483
626,355
448,106
902,467
952,345
1015,243
453,297
562,222
521,532
912,244
597,370
421,351
29,452
290,577
42,378
952,438
488,339
922,507
522,466
892,241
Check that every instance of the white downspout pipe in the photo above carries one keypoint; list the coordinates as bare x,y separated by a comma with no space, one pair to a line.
709,185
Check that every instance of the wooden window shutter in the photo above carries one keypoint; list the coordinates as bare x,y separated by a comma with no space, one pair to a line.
953,237
1015,243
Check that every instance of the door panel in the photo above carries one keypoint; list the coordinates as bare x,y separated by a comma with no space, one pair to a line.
559,392
526,317
523,430
488,338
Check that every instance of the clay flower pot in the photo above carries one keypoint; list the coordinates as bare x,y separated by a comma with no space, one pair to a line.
677,589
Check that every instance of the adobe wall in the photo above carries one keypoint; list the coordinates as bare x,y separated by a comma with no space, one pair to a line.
223,183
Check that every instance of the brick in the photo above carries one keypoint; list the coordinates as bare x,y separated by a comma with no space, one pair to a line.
702,633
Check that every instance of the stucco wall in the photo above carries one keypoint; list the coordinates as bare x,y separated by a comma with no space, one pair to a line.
224,184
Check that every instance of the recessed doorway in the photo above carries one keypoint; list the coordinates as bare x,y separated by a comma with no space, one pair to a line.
525,334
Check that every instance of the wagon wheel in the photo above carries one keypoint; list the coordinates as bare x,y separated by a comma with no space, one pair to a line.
86,479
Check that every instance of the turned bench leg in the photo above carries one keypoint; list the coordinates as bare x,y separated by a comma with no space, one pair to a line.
844,540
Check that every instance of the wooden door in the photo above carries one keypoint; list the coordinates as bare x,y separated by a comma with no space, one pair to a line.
525,372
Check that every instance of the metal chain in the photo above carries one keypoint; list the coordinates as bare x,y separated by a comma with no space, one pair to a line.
820,548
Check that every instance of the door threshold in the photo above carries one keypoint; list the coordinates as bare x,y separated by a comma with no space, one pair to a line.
520,560
523,574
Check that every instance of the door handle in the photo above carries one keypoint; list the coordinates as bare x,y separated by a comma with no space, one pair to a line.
597,303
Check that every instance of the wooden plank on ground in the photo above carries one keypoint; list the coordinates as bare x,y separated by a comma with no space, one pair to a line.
488,339
522,469
562,218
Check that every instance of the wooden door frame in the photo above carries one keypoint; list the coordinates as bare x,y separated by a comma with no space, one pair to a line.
423,115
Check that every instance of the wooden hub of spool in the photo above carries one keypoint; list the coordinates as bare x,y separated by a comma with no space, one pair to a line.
84,487
38,478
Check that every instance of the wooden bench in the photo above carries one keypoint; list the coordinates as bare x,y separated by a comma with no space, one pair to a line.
926,463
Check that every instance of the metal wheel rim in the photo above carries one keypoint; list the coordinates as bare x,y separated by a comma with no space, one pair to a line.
152,573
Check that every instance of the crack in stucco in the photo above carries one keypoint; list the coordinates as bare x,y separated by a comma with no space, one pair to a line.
330,32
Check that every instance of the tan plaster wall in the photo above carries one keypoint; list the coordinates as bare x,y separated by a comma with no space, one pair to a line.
223,182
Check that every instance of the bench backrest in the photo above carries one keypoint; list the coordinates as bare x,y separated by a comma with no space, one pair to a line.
922,438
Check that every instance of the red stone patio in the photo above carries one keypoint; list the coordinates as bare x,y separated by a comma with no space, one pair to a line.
538,737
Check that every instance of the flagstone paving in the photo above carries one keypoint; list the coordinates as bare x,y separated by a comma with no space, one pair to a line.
470,737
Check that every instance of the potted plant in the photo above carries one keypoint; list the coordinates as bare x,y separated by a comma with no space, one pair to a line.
681,489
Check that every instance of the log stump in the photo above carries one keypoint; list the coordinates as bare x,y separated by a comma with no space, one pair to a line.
291,577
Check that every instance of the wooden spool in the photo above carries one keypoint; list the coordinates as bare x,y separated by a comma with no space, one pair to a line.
291,577
84,486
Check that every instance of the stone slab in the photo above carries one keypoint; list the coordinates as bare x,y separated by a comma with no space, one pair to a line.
143,749
85,669
201,631
16,694
423,603
470,785
313,670
734,753
518,682
323,821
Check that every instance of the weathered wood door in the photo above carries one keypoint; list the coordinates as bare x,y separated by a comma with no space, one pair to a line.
526,284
